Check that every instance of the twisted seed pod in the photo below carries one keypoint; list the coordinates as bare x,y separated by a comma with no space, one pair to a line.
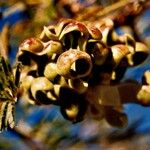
74,35
78,85
48,33
128,40
41,84
51,48
74,64
75,26
119,52
105,26
62,24
33,45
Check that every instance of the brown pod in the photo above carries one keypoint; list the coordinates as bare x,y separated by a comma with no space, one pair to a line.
74,64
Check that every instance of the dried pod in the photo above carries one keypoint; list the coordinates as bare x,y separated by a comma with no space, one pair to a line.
51,48
74,35
77,84
74,64
98,51
75,26
33,45
115,117
104,23
48,33
39,87
105,26
95,33
129,41
62,24
72,104
141,53
119,52
50,71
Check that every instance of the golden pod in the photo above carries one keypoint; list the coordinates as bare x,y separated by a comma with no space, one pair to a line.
40,84
50,71
33,45
48,33
74,64
79,85
119,52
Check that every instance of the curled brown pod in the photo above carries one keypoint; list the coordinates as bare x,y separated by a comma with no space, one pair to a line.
33,45
74,64
62,24
75,26
74,35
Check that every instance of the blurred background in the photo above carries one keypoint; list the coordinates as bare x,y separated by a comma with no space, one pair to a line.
43,127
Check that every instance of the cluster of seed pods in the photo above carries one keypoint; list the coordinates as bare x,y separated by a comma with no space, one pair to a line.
71,57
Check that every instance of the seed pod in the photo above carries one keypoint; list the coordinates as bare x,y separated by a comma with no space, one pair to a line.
95,33
140,54
119,52
62,24
75,26
79,85
33,45
72,104
99,52
48,33
50,71
51,47
129,41
74,64
74,35
39,87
